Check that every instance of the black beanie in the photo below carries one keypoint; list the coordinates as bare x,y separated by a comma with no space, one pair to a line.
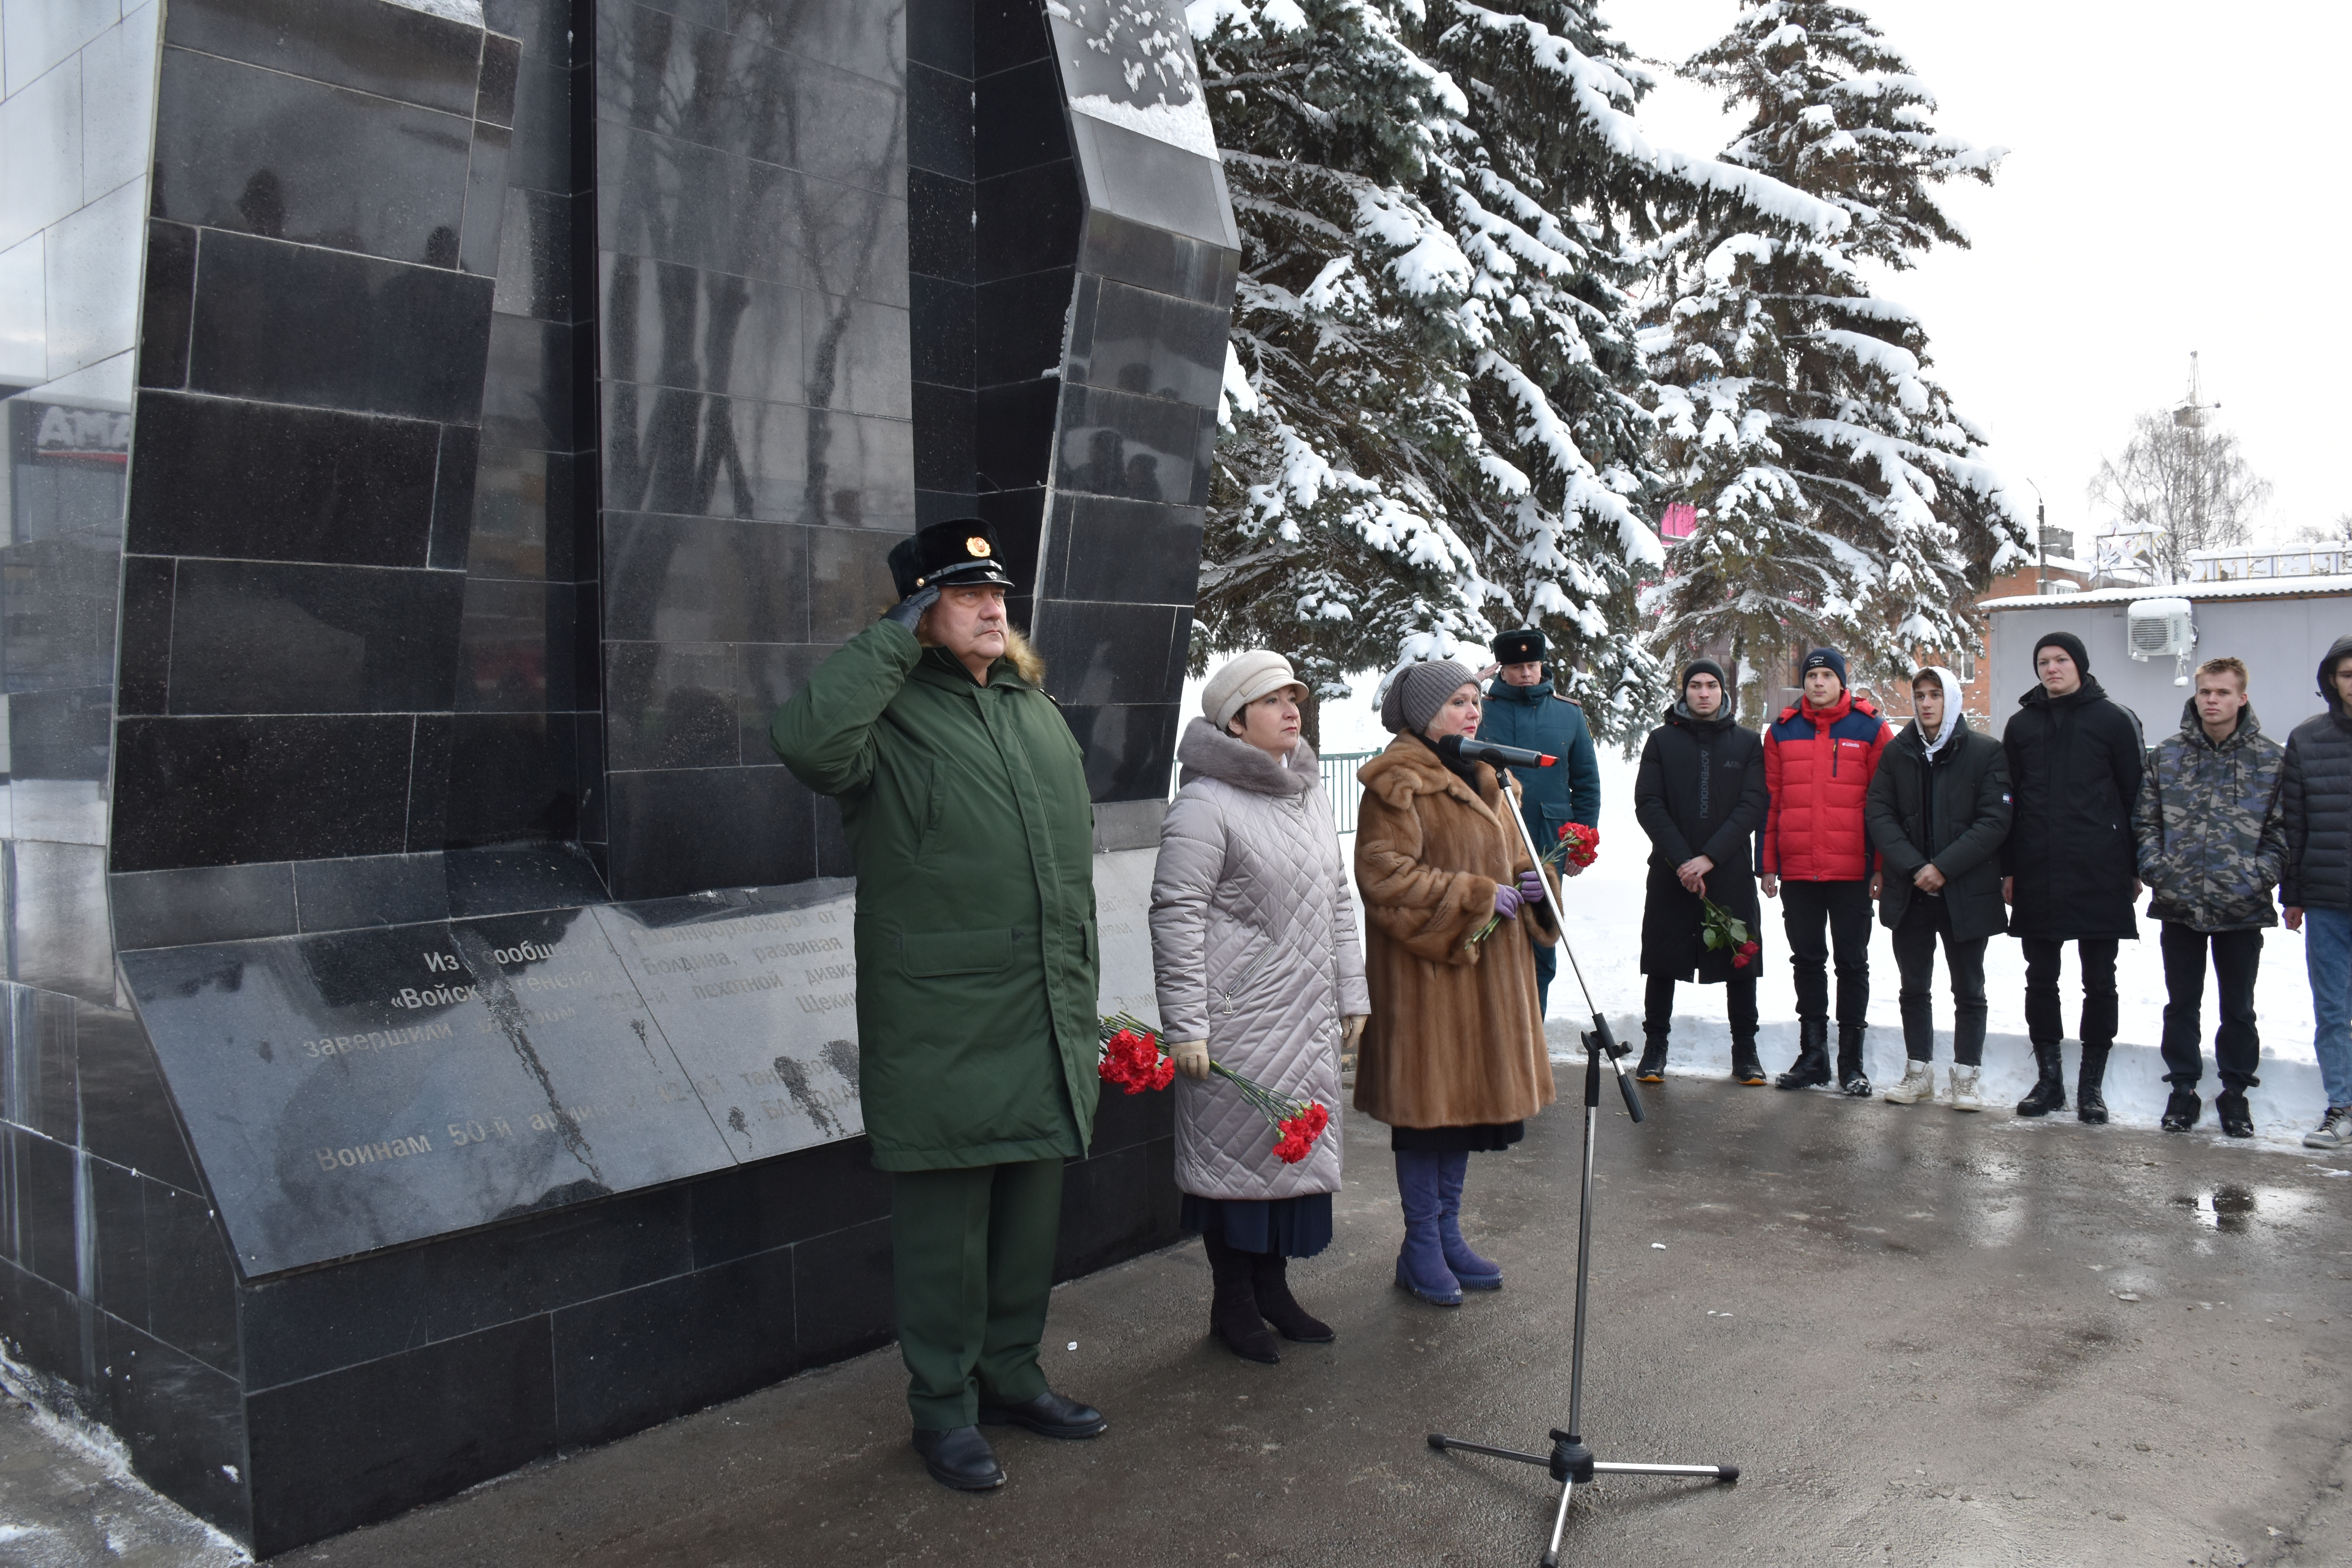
2071,643
1827,658
1702,667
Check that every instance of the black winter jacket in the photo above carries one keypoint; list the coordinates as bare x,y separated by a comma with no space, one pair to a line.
2073,769
2316,801
1699,791
1952,809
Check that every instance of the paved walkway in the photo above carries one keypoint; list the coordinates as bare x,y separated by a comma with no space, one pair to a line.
1926,1338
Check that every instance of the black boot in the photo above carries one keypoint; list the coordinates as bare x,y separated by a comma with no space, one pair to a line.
1270,1283
2181,1109
1653,1060
2049,1090
1746,1067
2089,1103
1812,1064
2237,1116
1233,1310
1852,1079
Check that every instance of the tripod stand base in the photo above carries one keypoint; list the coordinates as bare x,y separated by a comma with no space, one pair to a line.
1571,1464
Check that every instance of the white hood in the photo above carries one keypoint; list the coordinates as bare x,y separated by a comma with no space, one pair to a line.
1953,700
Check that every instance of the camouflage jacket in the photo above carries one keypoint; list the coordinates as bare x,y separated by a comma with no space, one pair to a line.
2212,838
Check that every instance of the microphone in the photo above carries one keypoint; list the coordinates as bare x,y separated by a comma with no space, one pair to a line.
1494,755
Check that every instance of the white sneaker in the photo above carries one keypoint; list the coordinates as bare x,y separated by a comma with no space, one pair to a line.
1964,1096
2334,1131
1918,1083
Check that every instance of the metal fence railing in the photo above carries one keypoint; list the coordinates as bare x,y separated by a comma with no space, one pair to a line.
1339,783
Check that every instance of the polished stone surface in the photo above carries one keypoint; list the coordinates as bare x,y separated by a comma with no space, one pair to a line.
1924,1338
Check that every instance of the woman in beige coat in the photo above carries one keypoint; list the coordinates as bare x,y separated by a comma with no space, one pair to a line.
1454,1059
1253,946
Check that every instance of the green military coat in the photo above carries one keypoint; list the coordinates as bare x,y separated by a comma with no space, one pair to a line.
967,819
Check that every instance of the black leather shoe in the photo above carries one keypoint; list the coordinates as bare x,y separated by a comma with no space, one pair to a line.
960,1458
1049,1415
2181,1109
2237,1116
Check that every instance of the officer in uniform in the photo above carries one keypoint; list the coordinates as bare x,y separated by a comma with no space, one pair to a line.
1522,710
964,798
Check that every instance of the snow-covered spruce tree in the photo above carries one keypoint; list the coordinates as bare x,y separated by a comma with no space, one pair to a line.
1443,424
1842,497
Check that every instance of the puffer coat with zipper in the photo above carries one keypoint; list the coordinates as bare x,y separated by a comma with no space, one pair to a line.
2316,800
1818,764
1253,949
2211,838
2073,767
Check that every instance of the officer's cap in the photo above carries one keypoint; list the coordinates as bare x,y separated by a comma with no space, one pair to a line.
1523,647
959,553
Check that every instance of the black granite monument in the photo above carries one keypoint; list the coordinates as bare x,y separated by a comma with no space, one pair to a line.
440,434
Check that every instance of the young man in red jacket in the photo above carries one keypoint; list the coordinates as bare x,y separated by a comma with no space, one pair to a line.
1819,758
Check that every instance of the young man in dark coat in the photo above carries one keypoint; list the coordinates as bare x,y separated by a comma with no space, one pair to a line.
2315,805
2069,869
1818,757
1938,811
2211,846
964,798
1522,710
1699,795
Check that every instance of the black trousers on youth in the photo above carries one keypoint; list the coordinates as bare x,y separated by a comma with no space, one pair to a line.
1924,921
1739,1000
1844,908
2043,1027
2237,1046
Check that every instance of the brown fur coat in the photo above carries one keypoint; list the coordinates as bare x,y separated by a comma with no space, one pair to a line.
1455,1039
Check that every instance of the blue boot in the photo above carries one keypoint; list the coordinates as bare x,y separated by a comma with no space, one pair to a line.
1473,1272
1420,1266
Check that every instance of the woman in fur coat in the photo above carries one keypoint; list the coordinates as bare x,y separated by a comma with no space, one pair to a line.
1253,949
1454,1059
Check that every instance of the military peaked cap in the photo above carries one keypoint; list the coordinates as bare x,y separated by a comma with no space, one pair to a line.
1523,647
962,553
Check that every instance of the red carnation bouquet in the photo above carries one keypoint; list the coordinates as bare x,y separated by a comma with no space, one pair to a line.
1131,1057
1577,846
1723,929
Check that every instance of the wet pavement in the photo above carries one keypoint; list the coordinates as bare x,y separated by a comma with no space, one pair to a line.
1926,1338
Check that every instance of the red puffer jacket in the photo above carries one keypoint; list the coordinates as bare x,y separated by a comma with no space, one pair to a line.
1818,763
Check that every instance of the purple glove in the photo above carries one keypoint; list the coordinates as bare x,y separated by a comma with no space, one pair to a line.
1507,902
1531,889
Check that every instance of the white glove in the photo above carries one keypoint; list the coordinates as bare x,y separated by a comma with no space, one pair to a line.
1191,1058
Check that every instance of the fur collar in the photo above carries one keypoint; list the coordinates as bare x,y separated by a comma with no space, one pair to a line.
1408,768
1207,752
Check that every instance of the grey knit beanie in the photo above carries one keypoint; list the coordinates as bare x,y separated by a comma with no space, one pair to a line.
1416,694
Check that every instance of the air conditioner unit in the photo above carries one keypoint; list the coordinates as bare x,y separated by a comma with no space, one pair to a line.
2163,628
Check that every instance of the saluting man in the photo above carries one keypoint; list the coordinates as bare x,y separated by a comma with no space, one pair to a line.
964,797
1522,710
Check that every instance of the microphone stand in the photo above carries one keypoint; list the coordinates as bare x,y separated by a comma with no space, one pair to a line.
1570,1461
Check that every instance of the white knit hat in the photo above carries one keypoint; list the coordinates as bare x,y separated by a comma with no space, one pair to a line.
1242,680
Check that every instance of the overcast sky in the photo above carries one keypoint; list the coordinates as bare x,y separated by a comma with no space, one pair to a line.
2176,180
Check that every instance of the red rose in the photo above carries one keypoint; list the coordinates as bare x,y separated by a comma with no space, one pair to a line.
1740,960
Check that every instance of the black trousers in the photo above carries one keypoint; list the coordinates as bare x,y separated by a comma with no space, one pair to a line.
1924,921
1738,1001
2042,1024
2237,1046
1816,915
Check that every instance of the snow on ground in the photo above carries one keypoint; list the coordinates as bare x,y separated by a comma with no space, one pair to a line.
1605,912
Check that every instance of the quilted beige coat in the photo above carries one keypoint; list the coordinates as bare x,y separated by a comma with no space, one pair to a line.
1253,948
1455,1039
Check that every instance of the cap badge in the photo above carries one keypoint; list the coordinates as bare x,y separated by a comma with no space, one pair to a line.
977,547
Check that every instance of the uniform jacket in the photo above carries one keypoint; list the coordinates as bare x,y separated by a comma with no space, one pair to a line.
1253,949
968,822
1540,720
1818,763
2316,801
1455,1039
1699,791
2210,836
2073,769
1952,809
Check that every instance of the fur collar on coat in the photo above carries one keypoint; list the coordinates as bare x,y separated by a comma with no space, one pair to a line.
1209,752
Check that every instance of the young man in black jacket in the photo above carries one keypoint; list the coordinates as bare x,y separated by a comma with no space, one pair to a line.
2316,805
1937,813
2069,870
1700,797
